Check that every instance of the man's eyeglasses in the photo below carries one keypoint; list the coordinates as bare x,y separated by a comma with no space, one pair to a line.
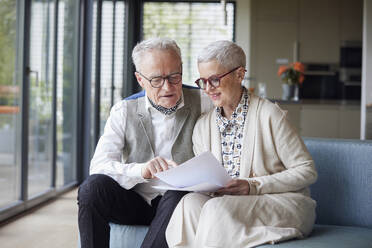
158,82
214,80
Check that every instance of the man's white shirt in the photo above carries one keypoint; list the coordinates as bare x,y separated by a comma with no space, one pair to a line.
107,158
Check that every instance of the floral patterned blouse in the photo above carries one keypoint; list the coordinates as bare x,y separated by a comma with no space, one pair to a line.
231,132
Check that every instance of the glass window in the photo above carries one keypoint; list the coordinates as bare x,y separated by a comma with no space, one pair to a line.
10,94
112,57
119,51
40,147
51,77
66,91
106,61
192,25
93,82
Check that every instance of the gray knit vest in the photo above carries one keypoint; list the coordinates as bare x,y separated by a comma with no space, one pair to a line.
139,139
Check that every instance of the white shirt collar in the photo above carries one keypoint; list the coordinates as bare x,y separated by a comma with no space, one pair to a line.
149,107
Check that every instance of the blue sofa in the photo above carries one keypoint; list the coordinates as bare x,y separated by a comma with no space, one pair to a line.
343,193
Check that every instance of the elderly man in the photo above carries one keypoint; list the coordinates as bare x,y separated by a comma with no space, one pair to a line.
146,133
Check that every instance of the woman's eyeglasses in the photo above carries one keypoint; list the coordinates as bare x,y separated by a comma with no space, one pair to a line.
214,80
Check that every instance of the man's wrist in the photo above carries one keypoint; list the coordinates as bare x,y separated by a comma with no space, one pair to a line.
136,171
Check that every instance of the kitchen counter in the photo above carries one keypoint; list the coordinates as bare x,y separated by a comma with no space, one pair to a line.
324,118
319,102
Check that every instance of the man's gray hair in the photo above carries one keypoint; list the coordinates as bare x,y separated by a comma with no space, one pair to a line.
226,53
153,44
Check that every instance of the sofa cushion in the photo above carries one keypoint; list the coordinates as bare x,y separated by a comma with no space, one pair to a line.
343,189
325,236
122,236
322,236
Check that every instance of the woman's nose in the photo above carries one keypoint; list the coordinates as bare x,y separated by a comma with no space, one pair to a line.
208,86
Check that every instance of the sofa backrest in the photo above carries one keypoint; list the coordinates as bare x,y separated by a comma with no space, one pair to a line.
343,190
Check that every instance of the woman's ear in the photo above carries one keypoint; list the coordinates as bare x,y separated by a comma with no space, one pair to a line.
241,73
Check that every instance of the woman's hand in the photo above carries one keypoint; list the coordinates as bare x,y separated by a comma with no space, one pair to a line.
235,187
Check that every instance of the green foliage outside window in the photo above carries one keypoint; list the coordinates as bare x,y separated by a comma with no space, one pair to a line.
192,25
7,48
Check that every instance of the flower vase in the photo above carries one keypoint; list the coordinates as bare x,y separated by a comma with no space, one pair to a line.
288,91
296,93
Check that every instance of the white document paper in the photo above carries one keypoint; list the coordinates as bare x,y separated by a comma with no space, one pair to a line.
203,173
202,187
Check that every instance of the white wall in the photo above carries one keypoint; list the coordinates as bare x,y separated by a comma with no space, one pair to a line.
268,30
243,28
244,38
366,112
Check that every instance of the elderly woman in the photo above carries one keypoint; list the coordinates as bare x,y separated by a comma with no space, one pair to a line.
268,199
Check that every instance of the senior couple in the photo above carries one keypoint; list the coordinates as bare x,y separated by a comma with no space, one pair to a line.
266,201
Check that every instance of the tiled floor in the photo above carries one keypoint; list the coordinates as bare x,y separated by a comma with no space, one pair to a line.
39,177
52,226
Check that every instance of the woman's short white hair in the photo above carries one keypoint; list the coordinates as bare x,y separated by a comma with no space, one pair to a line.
151,44
226,53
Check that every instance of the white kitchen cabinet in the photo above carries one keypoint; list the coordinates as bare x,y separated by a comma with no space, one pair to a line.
320,121
274,32
319,31
349,122
274,40
351,19
332,120
274,10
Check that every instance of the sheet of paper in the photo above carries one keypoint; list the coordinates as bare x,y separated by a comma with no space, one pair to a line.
202,187
201,173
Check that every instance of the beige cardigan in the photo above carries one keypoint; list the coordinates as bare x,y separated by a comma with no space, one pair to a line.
274,157
279,170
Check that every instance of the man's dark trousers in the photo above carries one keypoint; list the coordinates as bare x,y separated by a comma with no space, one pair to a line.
102,200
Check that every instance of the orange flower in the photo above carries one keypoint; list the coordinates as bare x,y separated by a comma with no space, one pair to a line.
282,69
298,66
301,79
293,73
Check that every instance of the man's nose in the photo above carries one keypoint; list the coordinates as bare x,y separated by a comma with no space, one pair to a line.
166,84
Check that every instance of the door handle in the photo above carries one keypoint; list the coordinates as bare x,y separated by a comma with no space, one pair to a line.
29,72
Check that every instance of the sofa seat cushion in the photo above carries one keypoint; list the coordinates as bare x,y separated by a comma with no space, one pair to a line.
323,236
122,236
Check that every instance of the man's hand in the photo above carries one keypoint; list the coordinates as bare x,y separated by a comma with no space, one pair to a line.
235,187
156,165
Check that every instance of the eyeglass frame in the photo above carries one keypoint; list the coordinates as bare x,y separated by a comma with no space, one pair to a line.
219,77
164,78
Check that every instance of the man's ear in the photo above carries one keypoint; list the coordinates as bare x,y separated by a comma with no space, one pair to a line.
139,79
